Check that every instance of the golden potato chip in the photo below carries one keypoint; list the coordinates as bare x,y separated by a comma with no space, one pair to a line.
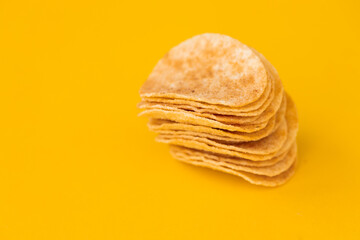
252,109
165,127
210,68
292,126
250,177
189,118
175,128
281,166
264,117
261,104
267,145
234,160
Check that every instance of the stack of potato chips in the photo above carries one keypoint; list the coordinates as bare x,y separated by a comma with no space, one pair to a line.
220,104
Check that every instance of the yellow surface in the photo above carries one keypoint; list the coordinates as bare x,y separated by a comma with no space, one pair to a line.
76,162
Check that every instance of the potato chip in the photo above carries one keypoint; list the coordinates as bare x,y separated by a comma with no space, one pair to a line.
264,117
292,126
175,128
172,128
267,145
210,68
252,109
235,160
250,177
258,106
189,118
277,168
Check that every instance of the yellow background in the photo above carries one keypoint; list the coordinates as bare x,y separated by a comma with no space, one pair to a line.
77,163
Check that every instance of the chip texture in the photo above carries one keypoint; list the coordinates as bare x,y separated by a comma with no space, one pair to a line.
210,68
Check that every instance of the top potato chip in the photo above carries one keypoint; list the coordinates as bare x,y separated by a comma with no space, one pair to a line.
209,68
